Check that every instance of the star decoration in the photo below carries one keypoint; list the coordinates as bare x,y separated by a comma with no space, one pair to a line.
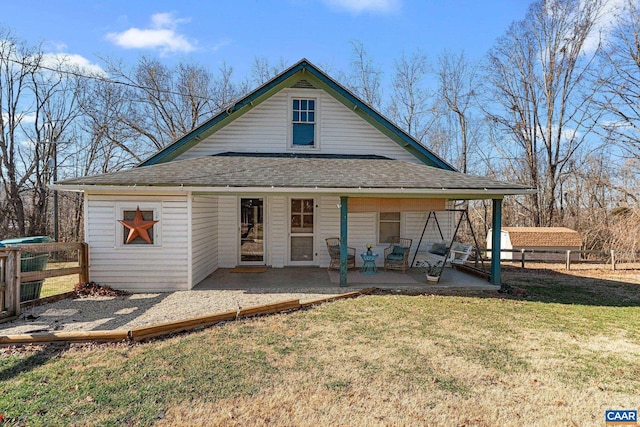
138,227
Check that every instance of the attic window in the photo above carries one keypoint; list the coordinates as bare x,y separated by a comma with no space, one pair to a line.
303,119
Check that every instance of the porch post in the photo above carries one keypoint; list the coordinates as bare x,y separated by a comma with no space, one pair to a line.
496,228
343,240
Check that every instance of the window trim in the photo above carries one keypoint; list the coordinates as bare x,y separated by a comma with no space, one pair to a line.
303,95
378,222
156,208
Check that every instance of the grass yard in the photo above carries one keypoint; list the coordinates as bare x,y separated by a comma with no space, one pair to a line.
61,284
560,357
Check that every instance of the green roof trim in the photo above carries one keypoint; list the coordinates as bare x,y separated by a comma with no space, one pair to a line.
286,79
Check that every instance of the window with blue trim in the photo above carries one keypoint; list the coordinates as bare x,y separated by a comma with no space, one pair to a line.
304,122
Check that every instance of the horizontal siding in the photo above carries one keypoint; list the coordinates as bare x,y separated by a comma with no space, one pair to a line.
228,244
204,223
138,269
344,132
328,225
361,231
276,231
265,129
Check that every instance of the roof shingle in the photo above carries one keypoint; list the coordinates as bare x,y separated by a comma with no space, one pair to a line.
543,236
291,172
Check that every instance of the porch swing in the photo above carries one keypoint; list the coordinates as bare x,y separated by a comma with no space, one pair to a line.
440,254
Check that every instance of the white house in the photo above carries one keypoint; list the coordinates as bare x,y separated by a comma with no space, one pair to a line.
265,182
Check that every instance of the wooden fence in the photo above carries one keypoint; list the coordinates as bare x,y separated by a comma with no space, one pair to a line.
11,275
610,257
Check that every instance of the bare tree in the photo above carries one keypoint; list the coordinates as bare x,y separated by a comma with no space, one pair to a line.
165,103
411,102
263,70
537,75
365,76
621,80
458,81
18,64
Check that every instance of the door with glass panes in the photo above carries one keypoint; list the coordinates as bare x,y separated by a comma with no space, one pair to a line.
251,231
301,232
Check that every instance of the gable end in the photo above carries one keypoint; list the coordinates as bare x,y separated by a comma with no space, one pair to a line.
302,74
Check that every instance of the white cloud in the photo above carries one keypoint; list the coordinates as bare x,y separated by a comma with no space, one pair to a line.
72,61
360,6
606,22
161,35
23,118
222,43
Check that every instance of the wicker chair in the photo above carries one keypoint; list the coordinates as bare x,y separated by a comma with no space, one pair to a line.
396,256
333,246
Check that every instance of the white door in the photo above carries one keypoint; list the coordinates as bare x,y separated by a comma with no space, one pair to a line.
301,227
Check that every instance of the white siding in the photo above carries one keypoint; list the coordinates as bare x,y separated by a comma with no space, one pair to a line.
362,229
265,129
228,233
414,223
140,268
276,231
328,225
204,223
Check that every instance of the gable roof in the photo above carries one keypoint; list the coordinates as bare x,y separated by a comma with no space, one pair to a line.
543,236
302,70
311,173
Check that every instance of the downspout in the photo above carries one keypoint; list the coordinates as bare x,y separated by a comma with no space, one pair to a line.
496,223
343,240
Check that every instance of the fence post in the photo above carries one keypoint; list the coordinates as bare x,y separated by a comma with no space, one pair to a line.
522,259
568,266
83,260
613,260
12,277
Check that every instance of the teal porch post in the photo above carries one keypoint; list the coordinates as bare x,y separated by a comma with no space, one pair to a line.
496,229
343,240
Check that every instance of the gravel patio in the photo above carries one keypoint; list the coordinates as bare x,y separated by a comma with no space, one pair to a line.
222,291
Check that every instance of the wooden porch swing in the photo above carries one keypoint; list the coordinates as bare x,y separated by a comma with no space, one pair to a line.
453,253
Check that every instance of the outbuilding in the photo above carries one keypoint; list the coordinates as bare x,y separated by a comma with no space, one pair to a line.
538,240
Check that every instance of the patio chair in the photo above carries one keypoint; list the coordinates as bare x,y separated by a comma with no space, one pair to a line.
333,246
396,256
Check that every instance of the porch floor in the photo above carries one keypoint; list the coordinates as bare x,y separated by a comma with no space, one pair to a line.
278,279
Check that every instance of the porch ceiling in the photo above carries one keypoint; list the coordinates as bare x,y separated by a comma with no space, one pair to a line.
273,172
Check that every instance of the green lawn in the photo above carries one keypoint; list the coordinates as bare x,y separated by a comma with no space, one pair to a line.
561,356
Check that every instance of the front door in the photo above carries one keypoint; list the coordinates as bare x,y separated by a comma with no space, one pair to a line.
251,231
301,231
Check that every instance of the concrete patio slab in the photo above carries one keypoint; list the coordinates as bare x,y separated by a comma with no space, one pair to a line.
321,280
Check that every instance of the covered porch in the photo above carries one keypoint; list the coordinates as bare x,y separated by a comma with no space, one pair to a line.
320,280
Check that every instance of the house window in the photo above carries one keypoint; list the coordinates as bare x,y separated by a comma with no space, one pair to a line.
303,119
388,226
137,226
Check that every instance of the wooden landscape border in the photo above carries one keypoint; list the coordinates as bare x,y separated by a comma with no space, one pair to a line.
168,328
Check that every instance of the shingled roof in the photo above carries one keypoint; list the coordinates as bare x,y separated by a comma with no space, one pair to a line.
278,171
543,236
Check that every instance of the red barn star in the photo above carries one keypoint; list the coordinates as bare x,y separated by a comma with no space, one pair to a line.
138,227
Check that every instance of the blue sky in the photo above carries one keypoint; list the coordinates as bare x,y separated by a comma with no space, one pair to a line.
237,31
